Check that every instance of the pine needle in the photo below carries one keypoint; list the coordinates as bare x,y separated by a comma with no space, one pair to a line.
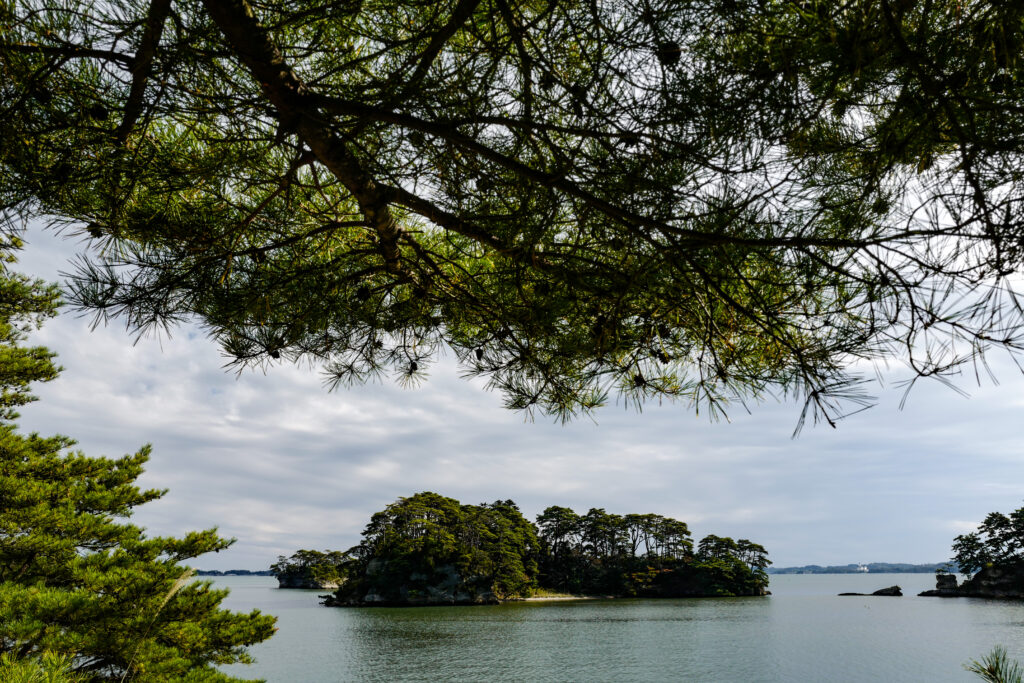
177,586
997,667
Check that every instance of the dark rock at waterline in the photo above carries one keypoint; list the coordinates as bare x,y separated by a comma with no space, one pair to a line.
1001,582
388,586
891,590
304,581
997,581
945,587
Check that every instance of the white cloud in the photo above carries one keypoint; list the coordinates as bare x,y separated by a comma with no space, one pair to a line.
278,462
959,526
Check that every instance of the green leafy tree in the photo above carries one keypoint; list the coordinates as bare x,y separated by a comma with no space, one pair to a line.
560,528
673,538
707,200
970,553
755,556
75,579
24,304
602,533
431,542
712,546
425,526
599,553
998,540
637,531
563,563
509,542
428,547
312,565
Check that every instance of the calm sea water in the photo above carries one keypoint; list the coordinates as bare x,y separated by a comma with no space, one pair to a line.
803,632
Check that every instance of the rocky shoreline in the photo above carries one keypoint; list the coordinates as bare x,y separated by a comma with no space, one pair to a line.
443,586
305,581
999,582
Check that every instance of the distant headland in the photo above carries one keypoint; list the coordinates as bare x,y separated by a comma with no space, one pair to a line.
872,567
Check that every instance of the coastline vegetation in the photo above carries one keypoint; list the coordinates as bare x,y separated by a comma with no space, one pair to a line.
84,595
430,549
992,558
540,593
998,542
308,568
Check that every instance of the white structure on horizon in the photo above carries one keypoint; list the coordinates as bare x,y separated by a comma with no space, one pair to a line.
862,568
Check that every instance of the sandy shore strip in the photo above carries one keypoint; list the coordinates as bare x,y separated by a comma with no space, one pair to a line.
550,598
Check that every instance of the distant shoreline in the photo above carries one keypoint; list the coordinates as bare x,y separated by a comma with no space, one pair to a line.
555,598
872,568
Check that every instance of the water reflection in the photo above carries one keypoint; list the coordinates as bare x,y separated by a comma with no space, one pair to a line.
803,633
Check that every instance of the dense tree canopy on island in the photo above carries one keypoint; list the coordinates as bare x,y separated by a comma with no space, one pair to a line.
309,568
999,540
707,199
430,549
644,555
85,596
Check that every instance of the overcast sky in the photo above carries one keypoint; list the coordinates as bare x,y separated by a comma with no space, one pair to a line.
279,463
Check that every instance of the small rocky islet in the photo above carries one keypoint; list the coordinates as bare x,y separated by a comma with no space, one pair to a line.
894,591
998,581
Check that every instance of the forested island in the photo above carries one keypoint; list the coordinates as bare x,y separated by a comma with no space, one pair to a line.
310,569
428,549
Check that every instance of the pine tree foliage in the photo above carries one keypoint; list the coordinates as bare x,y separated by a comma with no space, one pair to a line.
707,200
75,578
998,541
48,668
431,549
24,304
997,667
310,567
644,555
487,549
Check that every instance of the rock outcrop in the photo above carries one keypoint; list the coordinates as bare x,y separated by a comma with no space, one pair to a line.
945,587
891,590
304,581
1001,581
388,588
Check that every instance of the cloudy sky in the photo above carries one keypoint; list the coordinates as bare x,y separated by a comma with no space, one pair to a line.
279,463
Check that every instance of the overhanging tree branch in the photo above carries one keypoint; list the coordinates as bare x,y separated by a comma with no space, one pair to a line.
141,65
284,90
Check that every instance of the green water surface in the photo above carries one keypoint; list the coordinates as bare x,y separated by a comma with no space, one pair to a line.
803,632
